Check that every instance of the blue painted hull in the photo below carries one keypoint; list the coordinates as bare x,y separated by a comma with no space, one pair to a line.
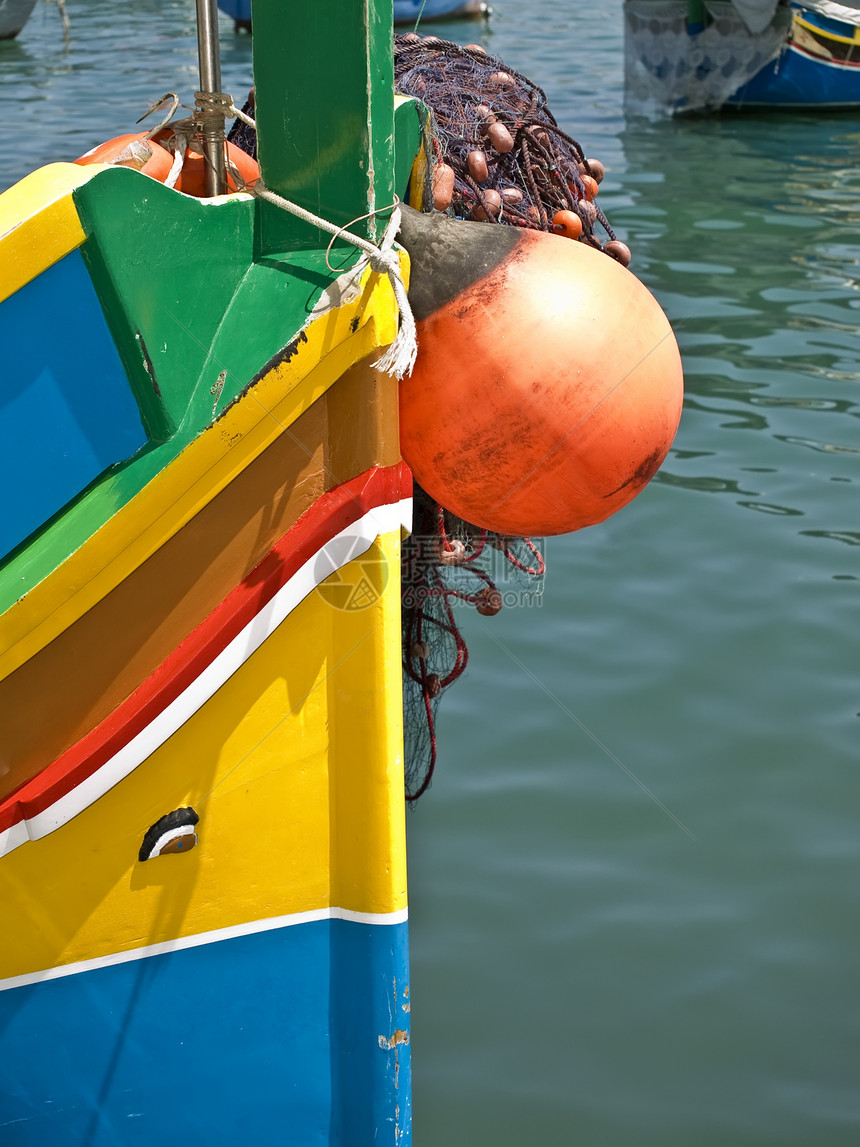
800,77
405,11
408,11
303,1028
237,9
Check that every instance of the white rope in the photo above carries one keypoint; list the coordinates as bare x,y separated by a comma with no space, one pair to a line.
178,142
400,357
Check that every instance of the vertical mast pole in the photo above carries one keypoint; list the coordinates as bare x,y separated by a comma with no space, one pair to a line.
210,81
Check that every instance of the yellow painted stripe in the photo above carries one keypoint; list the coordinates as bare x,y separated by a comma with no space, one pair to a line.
39,223
827,35
204,468
295,767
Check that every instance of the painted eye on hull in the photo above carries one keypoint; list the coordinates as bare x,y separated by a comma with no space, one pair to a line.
174,832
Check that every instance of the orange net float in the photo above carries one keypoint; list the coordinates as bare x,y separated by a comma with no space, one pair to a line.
547,391
153,158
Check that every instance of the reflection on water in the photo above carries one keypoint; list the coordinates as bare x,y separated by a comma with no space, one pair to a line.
770,208
626,984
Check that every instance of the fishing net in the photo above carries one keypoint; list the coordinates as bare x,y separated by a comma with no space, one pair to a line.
492,131
449,564
496,154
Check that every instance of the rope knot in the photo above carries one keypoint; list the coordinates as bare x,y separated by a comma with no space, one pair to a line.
384,262
399,358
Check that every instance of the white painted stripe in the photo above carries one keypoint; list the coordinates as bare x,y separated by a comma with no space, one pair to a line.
343,548
214,937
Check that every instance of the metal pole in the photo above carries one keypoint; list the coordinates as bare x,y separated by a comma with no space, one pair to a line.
210,81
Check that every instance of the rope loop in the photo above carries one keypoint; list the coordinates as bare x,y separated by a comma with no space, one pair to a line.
399,358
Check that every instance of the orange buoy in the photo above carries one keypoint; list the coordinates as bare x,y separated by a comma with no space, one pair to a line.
135,151
153,158
192,177
443,186
567,223
488,206
547,390
591,186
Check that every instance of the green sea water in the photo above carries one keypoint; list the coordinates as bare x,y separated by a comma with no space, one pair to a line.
634,881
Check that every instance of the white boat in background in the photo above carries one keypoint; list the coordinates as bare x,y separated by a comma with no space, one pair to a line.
14,14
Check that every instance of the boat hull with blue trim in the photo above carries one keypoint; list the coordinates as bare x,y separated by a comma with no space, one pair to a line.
702,55
411,11
819,67
202,839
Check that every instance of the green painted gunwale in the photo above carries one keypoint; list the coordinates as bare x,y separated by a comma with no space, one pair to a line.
197,308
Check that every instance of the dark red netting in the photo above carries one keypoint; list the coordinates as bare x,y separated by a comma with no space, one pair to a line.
496,154
448,565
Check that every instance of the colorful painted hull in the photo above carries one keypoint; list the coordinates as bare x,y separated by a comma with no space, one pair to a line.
819,67
802,58
202,841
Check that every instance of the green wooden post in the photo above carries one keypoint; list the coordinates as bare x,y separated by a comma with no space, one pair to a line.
324,78
698,17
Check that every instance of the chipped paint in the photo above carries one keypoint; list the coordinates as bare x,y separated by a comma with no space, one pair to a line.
387,1043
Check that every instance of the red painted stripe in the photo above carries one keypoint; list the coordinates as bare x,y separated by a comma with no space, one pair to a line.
828,61
331,513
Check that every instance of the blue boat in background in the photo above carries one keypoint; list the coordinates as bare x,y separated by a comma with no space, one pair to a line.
409,11
819,65
405,11
701,55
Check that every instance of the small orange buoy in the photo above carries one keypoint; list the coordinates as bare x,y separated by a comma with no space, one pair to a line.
499,136
489,602
501,80
512,195
595,168
567,223
587,212
489,208
591,186
443,186
453,554
619,251
555,414
476,162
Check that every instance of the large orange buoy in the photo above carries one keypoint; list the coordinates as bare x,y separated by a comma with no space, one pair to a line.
547,390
